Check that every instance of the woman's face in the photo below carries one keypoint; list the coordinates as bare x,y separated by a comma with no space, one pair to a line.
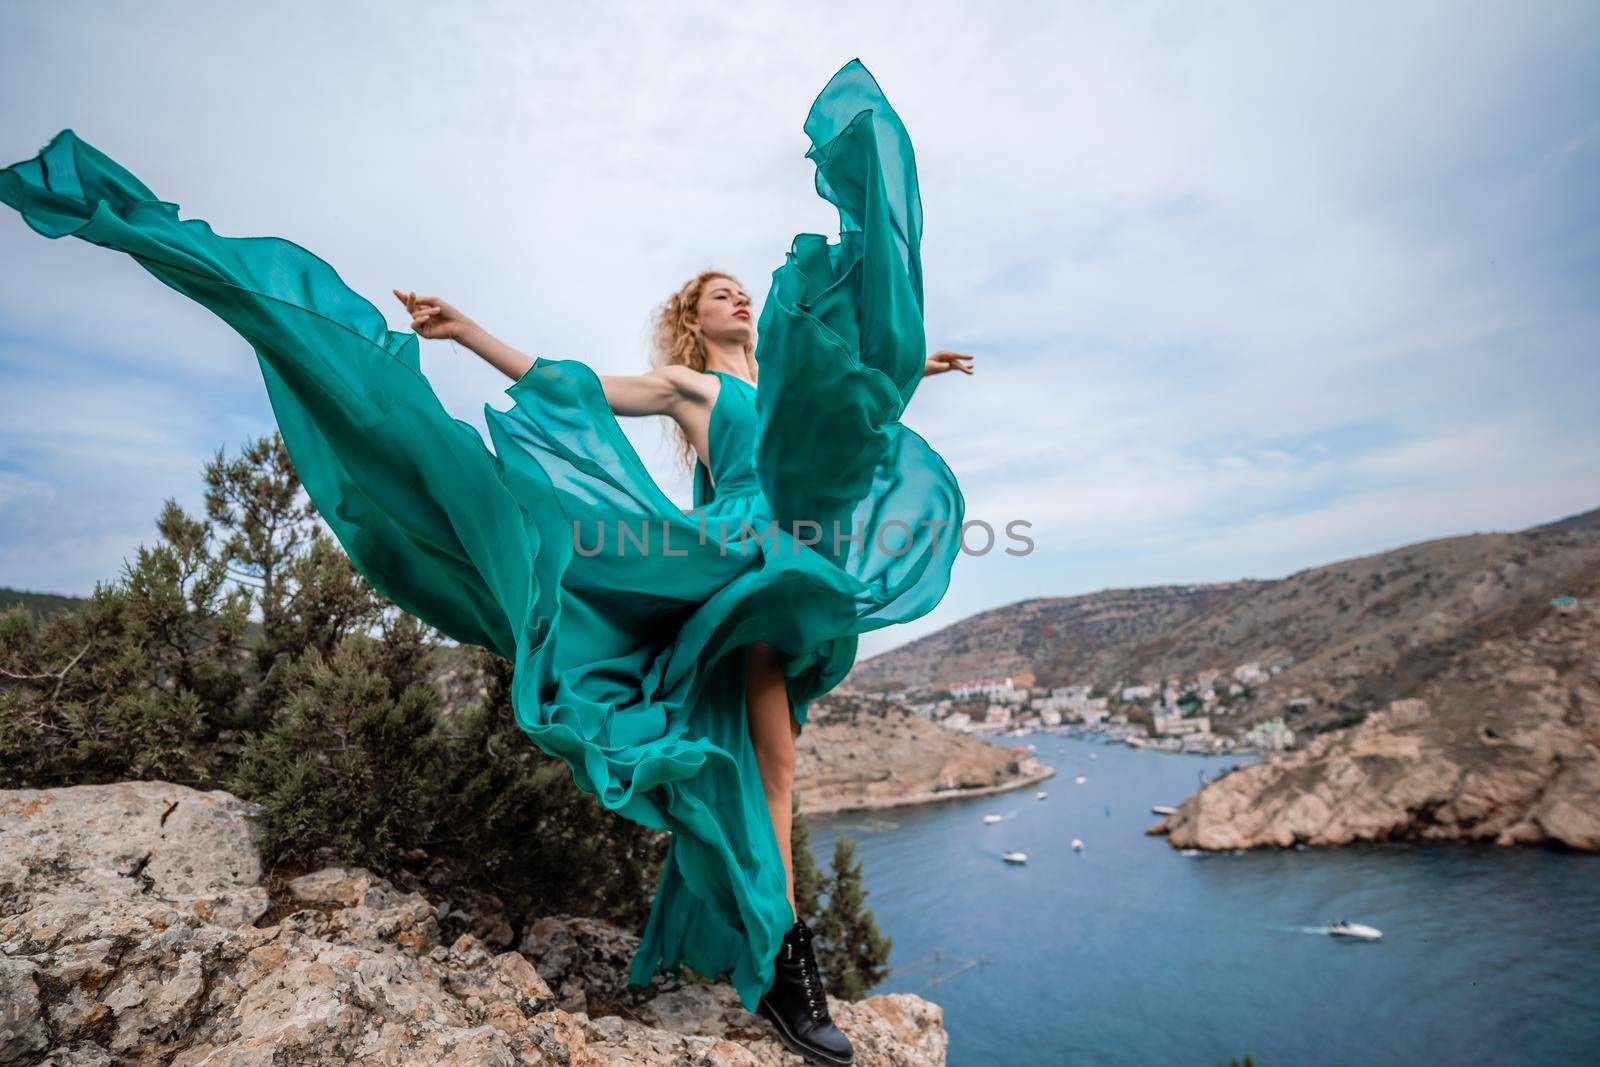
724,312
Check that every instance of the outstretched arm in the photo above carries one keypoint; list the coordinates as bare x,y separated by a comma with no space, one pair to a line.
659,391
662,391
439,321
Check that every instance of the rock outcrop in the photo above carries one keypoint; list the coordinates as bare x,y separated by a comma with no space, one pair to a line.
1503,745
860,752
135,929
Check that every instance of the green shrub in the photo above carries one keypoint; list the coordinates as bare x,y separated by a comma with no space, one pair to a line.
346,772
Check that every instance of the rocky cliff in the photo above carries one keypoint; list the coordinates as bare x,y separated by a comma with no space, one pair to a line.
136,928
859,751
1501,744
1355,634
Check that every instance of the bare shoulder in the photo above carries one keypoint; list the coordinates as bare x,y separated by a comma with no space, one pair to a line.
688,383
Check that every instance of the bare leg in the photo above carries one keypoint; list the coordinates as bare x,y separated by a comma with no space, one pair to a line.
773,729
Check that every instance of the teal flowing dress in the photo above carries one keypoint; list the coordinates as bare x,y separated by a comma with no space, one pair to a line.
629,651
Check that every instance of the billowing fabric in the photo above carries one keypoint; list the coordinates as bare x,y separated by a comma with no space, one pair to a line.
630,658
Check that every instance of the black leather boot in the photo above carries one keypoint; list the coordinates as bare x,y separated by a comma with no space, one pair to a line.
797,1005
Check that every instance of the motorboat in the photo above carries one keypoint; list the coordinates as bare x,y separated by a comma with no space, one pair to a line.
1014,857
993,818
1341,928
1077,844
1040,795
1163,809
1080,779
1091,755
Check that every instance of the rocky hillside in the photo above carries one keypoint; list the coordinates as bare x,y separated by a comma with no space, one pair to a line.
136,928
1502,743
1056,640
860,751
1355,634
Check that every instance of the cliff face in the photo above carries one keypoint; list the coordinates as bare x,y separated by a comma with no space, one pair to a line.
1360,632
1060,640
1502,744
859,751
135,929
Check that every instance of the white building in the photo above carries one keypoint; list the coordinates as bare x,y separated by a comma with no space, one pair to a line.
1249,673
1169,722
1271,736
980,687
1138,692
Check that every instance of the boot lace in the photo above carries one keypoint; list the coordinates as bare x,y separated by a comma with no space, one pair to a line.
810,977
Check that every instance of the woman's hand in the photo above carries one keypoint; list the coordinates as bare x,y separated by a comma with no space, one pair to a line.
433,318
944,360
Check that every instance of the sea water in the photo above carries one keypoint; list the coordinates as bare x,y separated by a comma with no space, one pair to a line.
1130,952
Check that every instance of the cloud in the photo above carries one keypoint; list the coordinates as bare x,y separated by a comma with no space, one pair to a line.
1245,284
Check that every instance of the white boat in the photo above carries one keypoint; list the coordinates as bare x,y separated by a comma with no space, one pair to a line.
993,818
1193,852
1040,795
1077,844
1135,742
1091,755
1357,930
1163,809
1080,779
1032,748
1014,857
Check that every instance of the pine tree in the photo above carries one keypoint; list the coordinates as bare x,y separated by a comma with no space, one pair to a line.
303,586
136,683
851,952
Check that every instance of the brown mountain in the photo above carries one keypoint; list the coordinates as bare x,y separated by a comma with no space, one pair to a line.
1060,640
1353,635
1501,743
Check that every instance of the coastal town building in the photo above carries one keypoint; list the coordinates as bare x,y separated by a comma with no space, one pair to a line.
1169,722
980,687
1249,673
1271,736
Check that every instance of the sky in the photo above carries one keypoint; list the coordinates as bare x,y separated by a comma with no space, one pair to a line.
1250,287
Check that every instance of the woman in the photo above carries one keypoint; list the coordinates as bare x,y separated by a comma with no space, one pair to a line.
671,668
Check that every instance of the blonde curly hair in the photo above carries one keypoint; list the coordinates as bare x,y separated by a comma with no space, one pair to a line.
674,343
